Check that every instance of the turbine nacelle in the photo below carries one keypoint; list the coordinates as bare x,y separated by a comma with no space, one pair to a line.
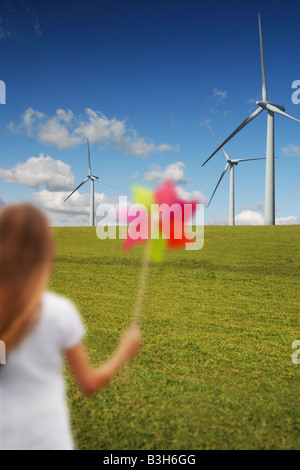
92,177
266,104
232,162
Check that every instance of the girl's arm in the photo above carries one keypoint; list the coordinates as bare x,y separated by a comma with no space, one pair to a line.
91,379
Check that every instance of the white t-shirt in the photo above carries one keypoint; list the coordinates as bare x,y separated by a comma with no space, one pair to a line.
33,410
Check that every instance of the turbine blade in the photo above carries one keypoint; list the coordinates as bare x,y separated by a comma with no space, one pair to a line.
227,157
81,184
244,123
89,157
274,109
224,171
102,182
262,58
247,159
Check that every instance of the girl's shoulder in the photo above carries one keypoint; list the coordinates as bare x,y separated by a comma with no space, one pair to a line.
60,315
51,300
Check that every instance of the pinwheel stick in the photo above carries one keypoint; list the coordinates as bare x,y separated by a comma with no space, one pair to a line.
140,297
142,284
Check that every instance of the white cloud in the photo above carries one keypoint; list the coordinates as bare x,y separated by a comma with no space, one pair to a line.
291,220
50,131
134,175
174,172
291,150
38,172
54,132
191,195
67,220
246,217
64,130
257,206
249,217
164,147
219,95
2,203
218,221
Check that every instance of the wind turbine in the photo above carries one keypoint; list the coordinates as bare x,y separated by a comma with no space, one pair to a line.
229,163
92,178
271,109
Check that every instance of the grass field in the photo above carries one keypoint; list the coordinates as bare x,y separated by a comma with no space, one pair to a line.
218,324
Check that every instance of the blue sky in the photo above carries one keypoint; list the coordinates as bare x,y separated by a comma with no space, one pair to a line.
139,79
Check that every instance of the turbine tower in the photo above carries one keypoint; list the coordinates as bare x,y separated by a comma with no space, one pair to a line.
92,178
271,108
229,163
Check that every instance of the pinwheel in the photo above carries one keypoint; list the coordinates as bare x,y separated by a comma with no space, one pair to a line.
170,215
160,224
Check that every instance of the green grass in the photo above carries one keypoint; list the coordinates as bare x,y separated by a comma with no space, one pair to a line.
218,324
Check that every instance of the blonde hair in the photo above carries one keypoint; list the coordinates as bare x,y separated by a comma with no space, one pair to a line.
26,256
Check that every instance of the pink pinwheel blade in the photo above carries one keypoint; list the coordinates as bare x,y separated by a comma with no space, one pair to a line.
166,194
135,233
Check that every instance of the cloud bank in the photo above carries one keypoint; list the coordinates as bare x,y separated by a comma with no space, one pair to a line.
174,172
249,217
78,204
291,150
38,172
257,206
64,130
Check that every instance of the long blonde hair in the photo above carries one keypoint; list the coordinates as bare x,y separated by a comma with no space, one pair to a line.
26,256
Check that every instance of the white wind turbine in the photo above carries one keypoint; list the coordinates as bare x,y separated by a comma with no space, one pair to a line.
271,108
92,178
229,163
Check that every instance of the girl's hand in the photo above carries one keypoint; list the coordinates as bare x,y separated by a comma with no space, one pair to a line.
130,343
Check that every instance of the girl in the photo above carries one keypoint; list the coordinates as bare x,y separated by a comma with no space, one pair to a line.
37,328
